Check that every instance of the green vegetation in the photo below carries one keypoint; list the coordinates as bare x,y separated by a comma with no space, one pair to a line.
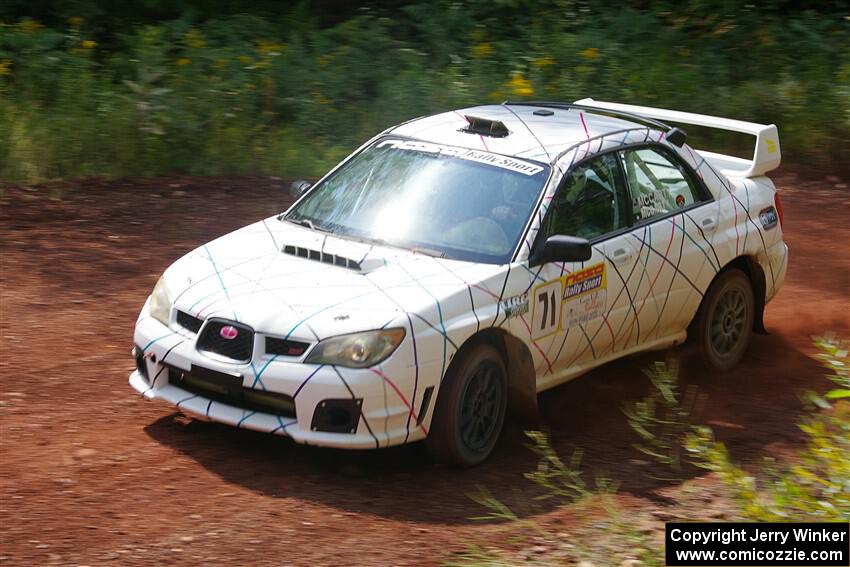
834,356
614,533
815,487
663,417
191,87
559,479
811,485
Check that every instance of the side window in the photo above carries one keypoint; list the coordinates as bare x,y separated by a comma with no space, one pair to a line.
590,201
658,184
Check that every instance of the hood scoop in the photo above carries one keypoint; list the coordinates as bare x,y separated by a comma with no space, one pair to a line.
363,266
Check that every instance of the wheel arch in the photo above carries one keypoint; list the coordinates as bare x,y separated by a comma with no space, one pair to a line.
753,270
519,364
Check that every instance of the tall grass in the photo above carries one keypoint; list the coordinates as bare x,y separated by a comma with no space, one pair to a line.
810,484
244,93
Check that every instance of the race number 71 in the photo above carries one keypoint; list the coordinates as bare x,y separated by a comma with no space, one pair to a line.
546,315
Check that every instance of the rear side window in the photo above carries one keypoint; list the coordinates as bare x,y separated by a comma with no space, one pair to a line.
658,183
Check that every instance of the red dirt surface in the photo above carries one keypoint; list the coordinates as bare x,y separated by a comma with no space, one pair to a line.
92,474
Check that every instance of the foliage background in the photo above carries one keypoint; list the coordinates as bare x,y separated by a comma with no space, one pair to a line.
148,87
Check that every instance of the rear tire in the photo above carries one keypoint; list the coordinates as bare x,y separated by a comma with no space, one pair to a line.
724,324
470,408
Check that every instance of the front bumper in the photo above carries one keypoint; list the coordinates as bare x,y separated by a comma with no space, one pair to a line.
388,411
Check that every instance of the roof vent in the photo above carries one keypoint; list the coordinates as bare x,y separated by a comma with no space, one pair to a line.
543,112
485,127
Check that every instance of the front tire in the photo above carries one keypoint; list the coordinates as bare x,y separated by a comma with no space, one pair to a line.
724,324
470,408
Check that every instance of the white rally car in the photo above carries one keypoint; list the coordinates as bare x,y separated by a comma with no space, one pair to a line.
458,264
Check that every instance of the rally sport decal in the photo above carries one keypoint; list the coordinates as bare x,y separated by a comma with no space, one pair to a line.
569,301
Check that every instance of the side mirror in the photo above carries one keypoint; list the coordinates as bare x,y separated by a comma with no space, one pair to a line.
298,188
561,248
676,137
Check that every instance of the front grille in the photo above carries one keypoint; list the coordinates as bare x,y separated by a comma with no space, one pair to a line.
189,322
227,338
285,347
228,390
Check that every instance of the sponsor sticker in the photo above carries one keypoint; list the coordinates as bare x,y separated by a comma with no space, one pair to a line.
585,295
569,301
769,218
496,160
502,161
515,306
648,205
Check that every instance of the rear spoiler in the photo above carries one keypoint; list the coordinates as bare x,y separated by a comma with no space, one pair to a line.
766,156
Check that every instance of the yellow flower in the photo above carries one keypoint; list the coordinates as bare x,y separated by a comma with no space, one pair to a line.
765,38
482,50
543,62
220,63
5,67
320,98
76,21
30,26
195,39
182,62
267,47
88,44
589,53
244,59
519,85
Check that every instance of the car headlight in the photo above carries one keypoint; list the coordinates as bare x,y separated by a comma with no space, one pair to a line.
357,350
160,305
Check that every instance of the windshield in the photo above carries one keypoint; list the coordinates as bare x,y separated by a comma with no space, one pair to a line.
452,202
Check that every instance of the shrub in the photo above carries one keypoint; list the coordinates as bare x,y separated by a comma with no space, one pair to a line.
664,416
279,94
835,356
815,485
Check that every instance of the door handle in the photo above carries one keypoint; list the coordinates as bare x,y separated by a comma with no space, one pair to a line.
621,255
708,224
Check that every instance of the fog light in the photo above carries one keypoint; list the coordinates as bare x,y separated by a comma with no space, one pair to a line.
337,416
141,365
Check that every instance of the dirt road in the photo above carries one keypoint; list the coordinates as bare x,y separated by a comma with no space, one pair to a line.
91,474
